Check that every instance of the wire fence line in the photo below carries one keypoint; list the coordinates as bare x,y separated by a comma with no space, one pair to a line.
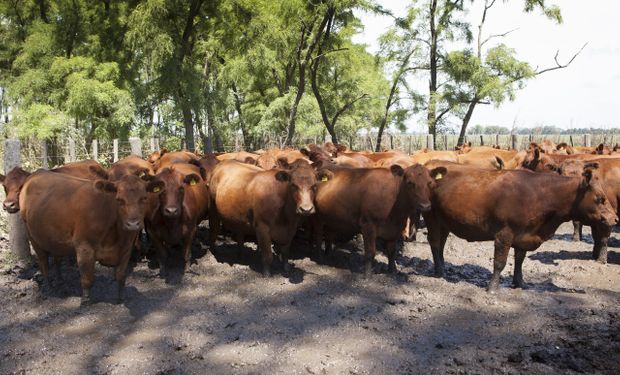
36,154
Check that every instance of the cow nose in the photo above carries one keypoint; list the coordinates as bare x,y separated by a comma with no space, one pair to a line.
10,206
424,207
305,211
133,224
171,211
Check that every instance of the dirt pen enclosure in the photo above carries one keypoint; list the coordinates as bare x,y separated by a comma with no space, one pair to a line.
223,317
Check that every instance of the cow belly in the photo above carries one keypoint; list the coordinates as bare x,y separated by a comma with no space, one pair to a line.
110,256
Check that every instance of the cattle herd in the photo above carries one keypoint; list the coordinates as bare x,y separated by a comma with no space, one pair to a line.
323,194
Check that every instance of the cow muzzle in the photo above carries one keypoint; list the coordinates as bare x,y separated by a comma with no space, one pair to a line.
305,211
424,207
10,207
133,224
171,212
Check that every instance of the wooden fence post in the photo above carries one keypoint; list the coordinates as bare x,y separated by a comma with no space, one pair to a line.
481,140
71,150
136,146
513,141
445,142
587,140
44,161
410,142
430,145
153,147
95,150
497,140
115,150
18,236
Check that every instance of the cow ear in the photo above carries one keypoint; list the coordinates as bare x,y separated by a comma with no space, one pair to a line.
500,162
98,171
317,164
250,160
2,177
536,153
438,173
192,179
341,148
105,186
553,168
282,163
141,172
587,177
203,173
305,152
397,170
283,176
163,151
194,162
324,175
155,186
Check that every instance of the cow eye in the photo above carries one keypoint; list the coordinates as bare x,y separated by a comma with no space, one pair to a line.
600,200
181,189
295,187
314,187
120,201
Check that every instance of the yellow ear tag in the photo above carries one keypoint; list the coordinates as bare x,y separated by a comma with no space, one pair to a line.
192,182
438,176
156,189
324,178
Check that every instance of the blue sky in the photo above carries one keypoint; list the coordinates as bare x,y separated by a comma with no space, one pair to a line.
586,94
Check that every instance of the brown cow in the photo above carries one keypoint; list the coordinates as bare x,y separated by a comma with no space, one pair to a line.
241,156
518,209
608,171
95,220
15,179
156,155
269,204
176,213
170,158
373,201
130,165
208,162
269,160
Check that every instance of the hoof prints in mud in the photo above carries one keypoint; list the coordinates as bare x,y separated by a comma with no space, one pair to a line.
322,317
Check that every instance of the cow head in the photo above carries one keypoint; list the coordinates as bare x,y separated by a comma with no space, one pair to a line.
131,193
418,182
156,155
592,204
302,185
13,183
174,184
538,161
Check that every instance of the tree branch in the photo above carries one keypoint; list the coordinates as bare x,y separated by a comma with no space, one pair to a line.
558,64
328,52
497,36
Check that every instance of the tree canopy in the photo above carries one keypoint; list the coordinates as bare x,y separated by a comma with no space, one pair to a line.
208,70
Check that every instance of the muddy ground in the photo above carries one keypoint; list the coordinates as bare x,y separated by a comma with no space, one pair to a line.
225,318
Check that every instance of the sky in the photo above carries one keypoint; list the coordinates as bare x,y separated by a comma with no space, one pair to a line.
585,94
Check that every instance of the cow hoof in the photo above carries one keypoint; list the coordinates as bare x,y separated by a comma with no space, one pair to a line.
85,301
392,269
576,239
492,288
601,260
266,272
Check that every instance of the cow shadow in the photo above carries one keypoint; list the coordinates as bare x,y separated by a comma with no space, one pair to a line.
552,257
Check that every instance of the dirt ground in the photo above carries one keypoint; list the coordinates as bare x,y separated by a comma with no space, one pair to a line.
225,318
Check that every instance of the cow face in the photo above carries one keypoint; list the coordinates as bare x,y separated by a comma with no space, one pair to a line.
302,186
592,204
418,182
13,183
174,185
537,161
131,198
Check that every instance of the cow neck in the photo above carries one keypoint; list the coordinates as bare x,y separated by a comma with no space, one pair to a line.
289,209
402,207
563,192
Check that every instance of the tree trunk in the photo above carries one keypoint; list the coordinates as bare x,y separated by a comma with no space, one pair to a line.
432,99
466,119
188,124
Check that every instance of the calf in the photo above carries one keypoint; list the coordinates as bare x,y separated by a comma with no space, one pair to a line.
269,204
373,201
95,220
518,209
175,214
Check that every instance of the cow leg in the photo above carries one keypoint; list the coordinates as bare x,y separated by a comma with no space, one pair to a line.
329,242
57,268
517,276
502,247
42,258
284,252
391,253
86,265
162,256
187,248
369,231
434,240
318,239
121,275
600,234
264,245
214,226
577,231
